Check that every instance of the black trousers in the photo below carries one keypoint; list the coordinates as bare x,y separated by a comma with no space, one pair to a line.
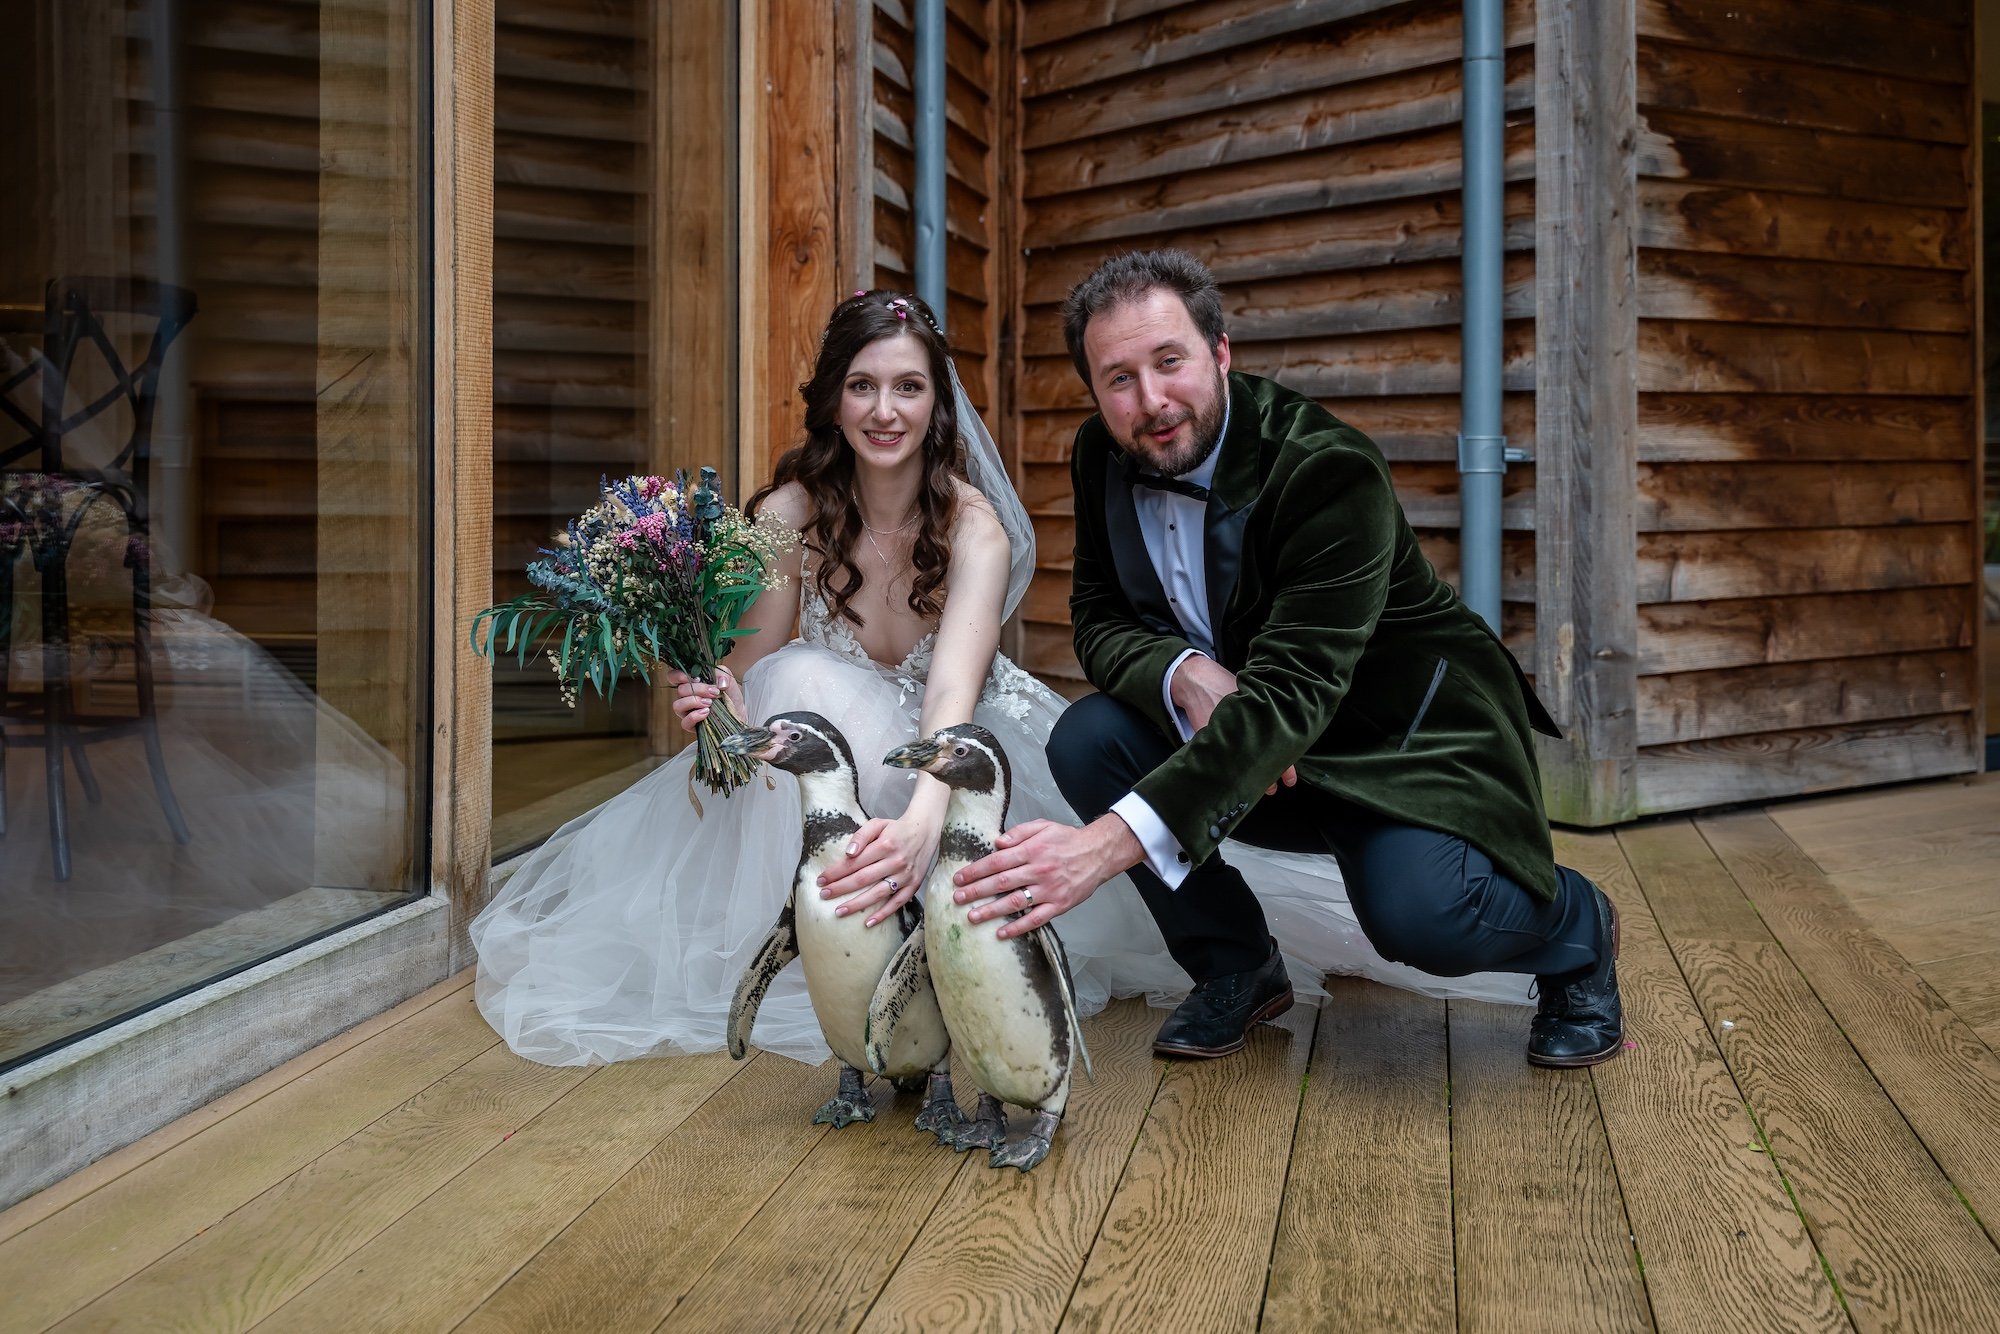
1423,898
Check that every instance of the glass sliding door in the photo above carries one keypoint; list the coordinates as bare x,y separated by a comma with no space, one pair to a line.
614,331
214,491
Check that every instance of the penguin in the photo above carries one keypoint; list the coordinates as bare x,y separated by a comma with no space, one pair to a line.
1010,1005
843,957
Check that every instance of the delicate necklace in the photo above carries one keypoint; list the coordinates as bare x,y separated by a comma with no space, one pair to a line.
869,533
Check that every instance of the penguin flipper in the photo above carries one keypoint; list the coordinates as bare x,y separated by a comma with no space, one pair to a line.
1052,947
779,948
908,973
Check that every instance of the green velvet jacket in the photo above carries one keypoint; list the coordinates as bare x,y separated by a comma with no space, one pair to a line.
1353,660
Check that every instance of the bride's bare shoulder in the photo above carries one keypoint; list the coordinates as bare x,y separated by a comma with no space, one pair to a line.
976,526
790,503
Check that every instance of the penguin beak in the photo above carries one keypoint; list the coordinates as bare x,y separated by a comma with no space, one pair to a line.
917,755
758,743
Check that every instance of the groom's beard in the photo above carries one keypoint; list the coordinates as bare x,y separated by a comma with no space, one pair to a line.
1200,442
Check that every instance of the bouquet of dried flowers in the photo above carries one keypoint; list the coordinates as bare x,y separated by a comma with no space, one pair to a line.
657,571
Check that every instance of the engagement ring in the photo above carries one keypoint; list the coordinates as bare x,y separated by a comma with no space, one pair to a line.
1028,897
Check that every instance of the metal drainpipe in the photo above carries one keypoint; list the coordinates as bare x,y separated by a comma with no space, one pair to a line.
929,204
1482,446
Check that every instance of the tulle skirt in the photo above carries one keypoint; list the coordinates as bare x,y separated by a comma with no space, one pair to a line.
625,933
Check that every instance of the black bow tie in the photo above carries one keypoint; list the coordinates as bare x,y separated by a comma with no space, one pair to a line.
1154,481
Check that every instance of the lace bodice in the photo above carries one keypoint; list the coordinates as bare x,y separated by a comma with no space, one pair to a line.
1008,688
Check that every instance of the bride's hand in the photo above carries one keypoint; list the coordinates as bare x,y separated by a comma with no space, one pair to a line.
692,698
884,866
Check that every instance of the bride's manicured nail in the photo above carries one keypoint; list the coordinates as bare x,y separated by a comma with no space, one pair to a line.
850,849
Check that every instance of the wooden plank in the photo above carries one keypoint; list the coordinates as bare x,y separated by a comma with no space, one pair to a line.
1364,1240
1003,1250
1759,290
1906,1253
1731,701
1384,42
1044,21
1681,567
1944,1080
1850,36
1187,1241
1676,145
1586,431
1908,841
1808,820
1786,92
1542,1239
1695,774
1740,358
1351,300
73,1188
1680,215
793,247
527,1190
1685,637
877,1180
637,1249
1417,164
1694,428
1720,1242
247,1265
1707,496
1400,103
1397,362
1392,232
1188,33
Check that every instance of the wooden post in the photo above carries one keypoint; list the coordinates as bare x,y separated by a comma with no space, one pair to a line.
854,74
462,401
791,266
1586,404
1975,175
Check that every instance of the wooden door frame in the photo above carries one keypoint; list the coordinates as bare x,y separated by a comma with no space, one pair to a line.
462,454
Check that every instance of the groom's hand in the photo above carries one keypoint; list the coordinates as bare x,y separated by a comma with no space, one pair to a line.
1043,869
1200,683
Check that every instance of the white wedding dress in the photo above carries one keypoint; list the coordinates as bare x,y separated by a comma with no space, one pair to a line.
624,935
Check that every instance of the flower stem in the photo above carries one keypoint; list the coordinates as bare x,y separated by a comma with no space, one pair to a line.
715,766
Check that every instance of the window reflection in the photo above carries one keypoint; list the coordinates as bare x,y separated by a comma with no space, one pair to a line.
213,481
613,327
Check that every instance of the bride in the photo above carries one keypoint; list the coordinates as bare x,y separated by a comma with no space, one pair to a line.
625,933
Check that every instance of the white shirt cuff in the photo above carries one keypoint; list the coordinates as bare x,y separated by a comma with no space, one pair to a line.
1167,694
1163,850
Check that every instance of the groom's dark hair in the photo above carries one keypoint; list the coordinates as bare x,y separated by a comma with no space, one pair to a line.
1131,277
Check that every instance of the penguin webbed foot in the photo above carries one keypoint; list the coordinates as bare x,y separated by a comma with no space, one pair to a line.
986,1130
1031,1148
849,1105
941,1115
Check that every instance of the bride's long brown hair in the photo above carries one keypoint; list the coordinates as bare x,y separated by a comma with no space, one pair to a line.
823,464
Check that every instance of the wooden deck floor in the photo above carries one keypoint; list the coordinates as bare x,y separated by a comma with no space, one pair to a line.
1802,1136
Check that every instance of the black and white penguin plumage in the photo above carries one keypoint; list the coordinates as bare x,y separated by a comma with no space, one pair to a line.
1009,1004
844,958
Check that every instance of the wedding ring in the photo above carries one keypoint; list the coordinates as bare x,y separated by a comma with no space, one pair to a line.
891,883
1028,897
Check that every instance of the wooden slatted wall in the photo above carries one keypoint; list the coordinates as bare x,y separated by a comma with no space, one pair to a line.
974,91
1807,503
572,174
1309,152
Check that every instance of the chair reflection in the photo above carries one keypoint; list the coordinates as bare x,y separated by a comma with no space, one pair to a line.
52,508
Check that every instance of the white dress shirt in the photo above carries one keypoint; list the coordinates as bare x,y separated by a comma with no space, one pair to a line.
1174,528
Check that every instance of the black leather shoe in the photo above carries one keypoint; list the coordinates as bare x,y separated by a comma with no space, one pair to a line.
1217,1016
1580,1020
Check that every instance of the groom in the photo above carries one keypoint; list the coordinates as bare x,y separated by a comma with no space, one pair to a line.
1279,664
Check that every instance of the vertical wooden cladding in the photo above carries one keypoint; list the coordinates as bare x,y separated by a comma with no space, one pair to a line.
976,96
1806,394
1309,152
